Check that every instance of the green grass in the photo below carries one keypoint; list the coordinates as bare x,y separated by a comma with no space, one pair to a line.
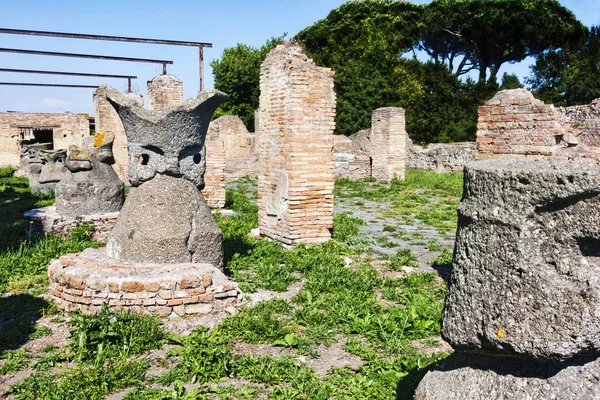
372,317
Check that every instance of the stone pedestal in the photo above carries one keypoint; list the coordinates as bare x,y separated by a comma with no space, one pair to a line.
87,280
164,255
522,307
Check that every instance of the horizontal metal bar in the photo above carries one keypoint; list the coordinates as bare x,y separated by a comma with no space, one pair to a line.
103,37
48,85
77,55
36,71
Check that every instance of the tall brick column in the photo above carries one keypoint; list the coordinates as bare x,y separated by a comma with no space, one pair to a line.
164,92
295,139
107,120
214,177
388,144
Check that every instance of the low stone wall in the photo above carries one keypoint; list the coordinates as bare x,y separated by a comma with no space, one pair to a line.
441,157
87,280
46,221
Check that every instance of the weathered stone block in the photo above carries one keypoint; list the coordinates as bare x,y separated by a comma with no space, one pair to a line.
526,277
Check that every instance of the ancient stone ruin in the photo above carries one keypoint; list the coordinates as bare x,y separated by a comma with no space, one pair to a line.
388,144
89,192
513,124
385,151
521,309
91,186
165,252
108,122
214,179
295,143
44,176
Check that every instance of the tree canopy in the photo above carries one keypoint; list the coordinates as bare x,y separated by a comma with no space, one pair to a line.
237,73
567,77
372,46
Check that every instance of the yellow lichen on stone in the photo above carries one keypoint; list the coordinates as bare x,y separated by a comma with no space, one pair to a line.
501,333
99,139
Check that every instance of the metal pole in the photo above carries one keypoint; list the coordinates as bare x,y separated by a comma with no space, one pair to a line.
201,51
48,85
37,71
77,55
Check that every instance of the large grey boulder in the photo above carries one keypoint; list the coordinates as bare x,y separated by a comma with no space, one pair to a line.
166,220
466,376
526,269
91,186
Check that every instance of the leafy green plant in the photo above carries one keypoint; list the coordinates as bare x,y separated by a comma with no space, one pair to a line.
403,258
109,333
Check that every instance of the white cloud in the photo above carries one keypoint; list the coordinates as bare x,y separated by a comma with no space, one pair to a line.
54,103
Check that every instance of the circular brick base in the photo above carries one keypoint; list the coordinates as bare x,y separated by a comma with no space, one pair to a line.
89,279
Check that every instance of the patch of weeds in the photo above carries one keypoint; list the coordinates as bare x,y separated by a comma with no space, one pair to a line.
90,382
403,258
261,323
385,241
40,331
389,228
107,334
32,258
346,227
444,260
433,245
179,392
14,361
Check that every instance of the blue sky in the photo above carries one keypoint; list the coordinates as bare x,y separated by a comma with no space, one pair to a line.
223,23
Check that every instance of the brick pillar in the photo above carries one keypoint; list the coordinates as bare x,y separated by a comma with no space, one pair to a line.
164,92
295,139
388,144
214,177
107,120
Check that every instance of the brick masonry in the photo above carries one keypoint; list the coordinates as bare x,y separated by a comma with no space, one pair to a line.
388,144
164,92
87,280
214,177
46,221
67,129
295,146
107,121
513,124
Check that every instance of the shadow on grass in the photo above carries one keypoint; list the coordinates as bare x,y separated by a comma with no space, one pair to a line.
15,199
232,246
18,316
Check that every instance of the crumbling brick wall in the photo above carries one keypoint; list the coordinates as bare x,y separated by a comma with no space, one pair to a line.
67,129
107,120
164,92
241,158
513,124
295,143
388,144
214,178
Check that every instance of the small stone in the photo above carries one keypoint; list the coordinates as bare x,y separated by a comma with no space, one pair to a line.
161,312
179,310
189,282
199,308
132,286
151,287
231,310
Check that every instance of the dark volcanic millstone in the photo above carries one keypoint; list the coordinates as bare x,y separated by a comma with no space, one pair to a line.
526,269
166,220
